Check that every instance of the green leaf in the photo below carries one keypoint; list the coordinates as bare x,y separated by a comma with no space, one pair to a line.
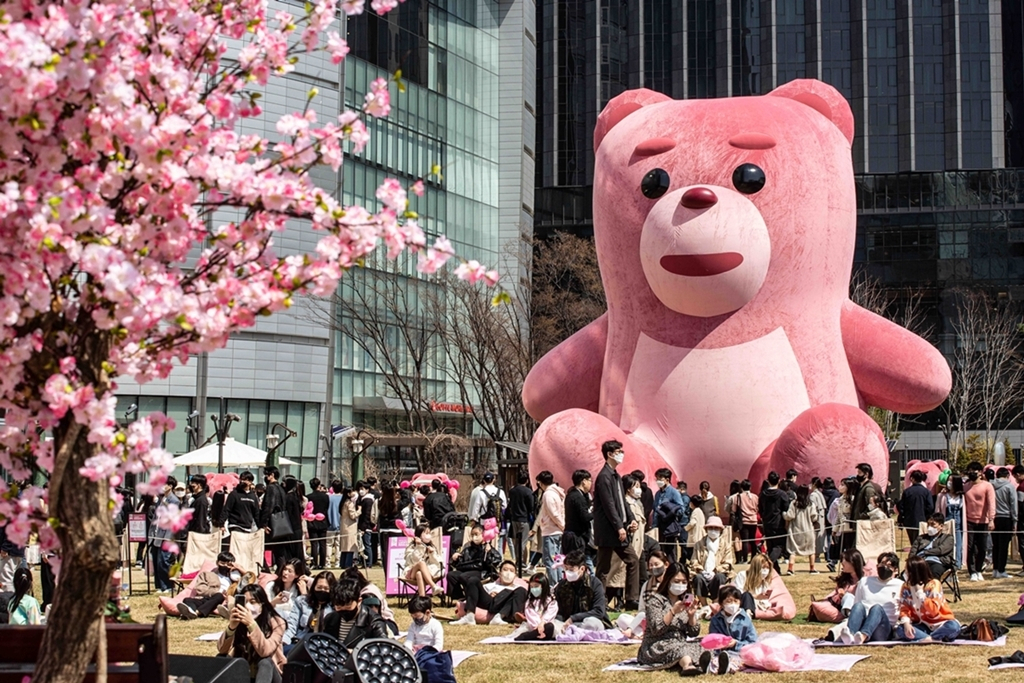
500,298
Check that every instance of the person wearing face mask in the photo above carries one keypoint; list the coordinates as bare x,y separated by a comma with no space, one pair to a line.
472,562
274,501
350,622
291,585
613,523
633,627
307,614
733,621
495,603
870,494
616,579
876,602
671,619
209,590
424,631
551,522
765,595
667,516
422,565
980,504
950,504
254,634
935,547
924,613
580,596
540,611
348,527
713,560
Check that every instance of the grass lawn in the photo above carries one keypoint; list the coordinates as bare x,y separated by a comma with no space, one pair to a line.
581,663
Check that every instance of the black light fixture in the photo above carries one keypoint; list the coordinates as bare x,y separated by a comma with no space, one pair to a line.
381,660
315,659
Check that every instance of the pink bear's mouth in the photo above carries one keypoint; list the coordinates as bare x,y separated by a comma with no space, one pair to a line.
701,265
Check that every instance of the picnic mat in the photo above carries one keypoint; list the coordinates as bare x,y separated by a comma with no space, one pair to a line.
509,640
459,656
998,642
819,663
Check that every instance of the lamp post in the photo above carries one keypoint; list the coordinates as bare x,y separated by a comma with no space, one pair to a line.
359,445
221,426
192,429
275,441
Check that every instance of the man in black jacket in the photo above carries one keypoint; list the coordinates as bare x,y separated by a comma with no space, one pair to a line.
274,501
580,596
471,560
613,524
520,519
318,528
351,622
578,516
936,547
916,505
770,505
199,523
437,504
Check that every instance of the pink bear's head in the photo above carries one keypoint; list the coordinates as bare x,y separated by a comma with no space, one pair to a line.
932,470
225,480
706,207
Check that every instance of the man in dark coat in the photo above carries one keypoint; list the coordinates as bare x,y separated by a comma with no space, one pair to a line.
520,520
770,505
199,523
936,546
578,516
274,501
916,505
318,528
613,524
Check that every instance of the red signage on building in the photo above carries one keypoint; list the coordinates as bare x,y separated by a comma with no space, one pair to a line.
450,408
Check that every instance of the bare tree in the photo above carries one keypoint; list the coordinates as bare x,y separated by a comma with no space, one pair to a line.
988,368
901,306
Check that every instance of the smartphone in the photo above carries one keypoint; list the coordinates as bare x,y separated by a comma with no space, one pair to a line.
688,599
239,601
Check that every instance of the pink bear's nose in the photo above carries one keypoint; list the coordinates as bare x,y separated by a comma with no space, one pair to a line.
699,198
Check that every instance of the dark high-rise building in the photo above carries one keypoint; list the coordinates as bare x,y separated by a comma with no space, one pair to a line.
936,88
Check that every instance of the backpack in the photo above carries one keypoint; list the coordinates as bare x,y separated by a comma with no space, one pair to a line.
374,513
492,506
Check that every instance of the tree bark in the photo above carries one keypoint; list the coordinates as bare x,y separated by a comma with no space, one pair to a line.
89,555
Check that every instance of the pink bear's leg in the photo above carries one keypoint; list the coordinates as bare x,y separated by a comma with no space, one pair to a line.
829,440
571,440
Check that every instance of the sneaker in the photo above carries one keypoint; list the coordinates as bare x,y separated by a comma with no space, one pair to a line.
223,611
981,576
831,567
859,638
814,571
469,619
496,620
187,611
705,661
723,663
1000,575
844,634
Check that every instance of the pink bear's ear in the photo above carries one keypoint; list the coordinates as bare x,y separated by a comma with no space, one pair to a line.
622,106
822,98
941,464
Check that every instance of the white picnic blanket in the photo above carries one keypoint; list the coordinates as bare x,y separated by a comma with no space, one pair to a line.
998,642
459,656
509,640
819,663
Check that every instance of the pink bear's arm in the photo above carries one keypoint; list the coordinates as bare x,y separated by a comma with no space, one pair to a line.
893,368
569,375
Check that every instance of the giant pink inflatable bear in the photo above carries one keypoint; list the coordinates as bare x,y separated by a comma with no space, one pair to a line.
725,234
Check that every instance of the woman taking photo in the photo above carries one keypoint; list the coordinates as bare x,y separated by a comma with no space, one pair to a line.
671,619
254,634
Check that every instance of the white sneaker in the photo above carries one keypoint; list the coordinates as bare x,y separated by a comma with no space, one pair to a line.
496,620
1000,575
844,634
981,576
469,619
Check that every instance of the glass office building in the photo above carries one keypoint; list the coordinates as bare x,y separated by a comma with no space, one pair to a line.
468,71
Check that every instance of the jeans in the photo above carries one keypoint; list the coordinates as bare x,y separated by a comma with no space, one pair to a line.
519,538
552,544
161,569
977,544
1001,543
874,622
946,631
369,547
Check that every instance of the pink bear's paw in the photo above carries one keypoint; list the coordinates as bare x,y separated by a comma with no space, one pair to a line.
571,440
829,440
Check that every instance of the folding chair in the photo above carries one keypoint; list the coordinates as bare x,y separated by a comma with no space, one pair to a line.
949,577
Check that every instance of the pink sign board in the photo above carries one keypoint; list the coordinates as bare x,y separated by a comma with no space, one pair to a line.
396,556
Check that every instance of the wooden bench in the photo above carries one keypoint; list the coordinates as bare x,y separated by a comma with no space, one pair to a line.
136,653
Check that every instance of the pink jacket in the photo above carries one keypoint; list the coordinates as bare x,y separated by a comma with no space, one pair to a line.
979,502
551,519
535,615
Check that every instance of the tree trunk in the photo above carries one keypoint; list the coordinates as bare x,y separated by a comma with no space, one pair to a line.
89,555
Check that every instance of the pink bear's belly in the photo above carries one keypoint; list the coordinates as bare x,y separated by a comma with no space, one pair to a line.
712,412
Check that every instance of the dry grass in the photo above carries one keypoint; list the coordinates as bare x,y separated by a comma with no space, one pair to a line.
537,664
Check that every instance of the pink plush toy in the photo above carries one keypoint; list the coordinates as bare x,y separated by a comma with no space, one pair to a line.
490,529
226,480
932,470
715,641
424,479
725,233
308,515
777,652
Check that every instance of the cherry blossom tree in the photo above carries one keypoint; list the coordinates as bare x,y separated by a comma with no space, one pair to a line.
118,146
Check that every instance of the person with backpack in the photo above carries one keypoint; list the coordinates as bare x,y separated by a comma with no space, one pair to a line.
489,502
368,511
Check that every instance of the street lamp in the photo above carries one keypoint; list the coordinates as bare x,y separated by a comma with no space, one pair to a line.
359,445
133,411
192,429
221,426
275,441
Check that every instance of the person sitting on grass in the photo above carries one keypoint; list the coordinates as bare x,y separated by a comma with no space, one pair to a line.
209,589
424,630
834,608
733,621
671,619
765,595
497,601
349,621
541,610
876,603
422,565
924,613
291,585
580,595
633,627
935,546
254,634
712,561
23,607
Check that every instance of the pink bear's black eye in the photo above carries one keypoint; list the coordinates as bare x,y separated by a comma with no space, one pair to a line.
655,183
748,178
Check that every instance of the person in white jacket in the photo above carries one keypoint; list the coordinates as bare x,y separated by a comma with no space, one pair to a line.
551,523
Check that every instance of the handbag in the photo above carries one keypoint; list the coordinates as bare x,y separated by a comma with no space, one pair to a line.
983,630
280,525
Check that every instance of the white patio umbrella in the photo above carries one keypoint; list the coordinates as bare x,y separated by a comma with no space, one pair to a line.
236,454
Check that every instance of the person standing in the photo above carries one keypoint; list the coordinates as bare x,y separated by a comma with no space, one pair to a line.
646,497
318,528
1004,523
162,558
578,515
771,505
803,523
242,508
821,506
274,502
1018,476
613,523
334,503
950,503
869,495
746,505
668,513
368,512
709,501
684,521
199,523
520,520
980,503
294,502
830,493
916,505
551,522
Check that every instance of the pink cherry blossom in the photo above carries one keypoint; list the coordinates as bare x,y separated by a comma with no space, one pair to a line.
378,100
337,46
173,518
417,188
